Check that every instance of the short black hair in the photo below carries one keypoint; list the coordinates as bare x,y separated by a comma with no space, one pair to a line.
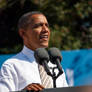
24,19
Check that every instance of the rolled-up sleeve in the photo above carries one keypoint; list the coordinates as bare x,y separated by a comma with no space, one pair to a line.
8,80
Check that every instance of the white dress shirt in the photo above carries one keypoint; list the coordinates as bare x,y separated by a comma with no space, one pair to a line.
21,70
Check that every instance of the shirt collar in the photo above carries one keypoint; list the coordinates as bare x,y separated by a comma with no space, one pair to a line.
28,53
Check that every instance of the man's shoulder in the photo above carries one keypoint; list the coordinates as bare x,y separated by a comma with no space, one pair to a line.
14,58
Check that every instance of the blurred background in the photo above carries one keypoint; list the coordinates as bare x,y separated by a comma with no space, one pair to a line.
71,31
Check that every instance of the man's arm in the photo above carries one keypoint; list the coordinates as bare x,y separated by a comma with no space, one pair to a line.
7,79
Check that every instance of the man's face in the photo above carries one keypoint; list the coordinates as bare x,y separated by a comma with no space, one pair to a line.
37,34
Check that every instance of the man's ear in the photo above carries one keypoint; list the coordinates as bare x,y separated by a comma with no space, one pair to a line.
22,33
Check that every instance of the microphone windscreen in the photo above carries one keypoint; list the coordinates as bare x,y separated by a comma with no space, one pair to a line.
41,54
54,54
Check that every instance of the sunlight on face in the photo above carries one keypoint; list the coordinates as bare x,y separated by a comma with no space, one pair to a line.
38,33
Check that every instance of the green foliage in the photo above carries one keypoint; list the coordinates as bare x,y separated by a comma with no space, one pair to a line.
64,40
8,50
3,3
74,18
70,22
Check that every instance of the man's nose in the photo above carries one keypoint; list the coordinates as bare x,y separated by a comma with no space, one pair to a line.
44,28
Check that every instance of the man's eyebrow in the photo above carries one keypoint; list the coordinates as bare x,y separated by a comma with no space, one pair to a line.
41,23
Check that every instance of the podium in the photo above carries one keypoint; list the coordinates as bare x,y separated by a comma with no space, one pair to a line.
65,89
70,89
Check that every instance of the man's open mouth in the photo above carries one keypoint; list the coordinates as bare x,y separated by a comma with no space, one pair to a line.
43,37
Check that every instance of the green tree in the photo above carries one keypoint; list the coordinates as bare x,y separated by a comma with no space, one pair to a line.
70,22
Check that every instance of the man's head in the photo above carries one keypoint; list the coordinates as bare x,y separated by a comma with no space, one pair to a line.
34,30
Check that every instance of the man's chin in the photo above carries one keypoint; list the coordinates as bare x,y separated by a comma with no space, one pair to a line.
44,45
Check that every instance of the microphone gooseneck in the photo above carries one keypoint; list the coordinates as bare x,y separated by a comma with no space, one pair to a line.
42,57
55,57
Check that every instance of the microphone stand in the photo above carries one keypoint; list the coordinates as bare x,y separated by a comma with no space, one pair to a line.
54,76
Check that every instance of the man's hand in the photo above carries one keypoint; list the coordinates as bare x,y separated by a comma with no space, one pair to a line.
34,87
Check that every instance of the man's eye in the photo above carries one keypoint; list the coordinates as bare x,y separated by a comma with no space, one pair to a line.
39,25
36,25
47,25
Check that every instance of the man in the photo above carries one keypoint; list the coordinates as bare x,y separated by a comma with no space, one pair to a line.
21,71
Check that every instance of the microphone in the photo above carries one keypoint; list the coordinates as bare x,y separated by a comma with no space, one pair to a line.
42,58
55,57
